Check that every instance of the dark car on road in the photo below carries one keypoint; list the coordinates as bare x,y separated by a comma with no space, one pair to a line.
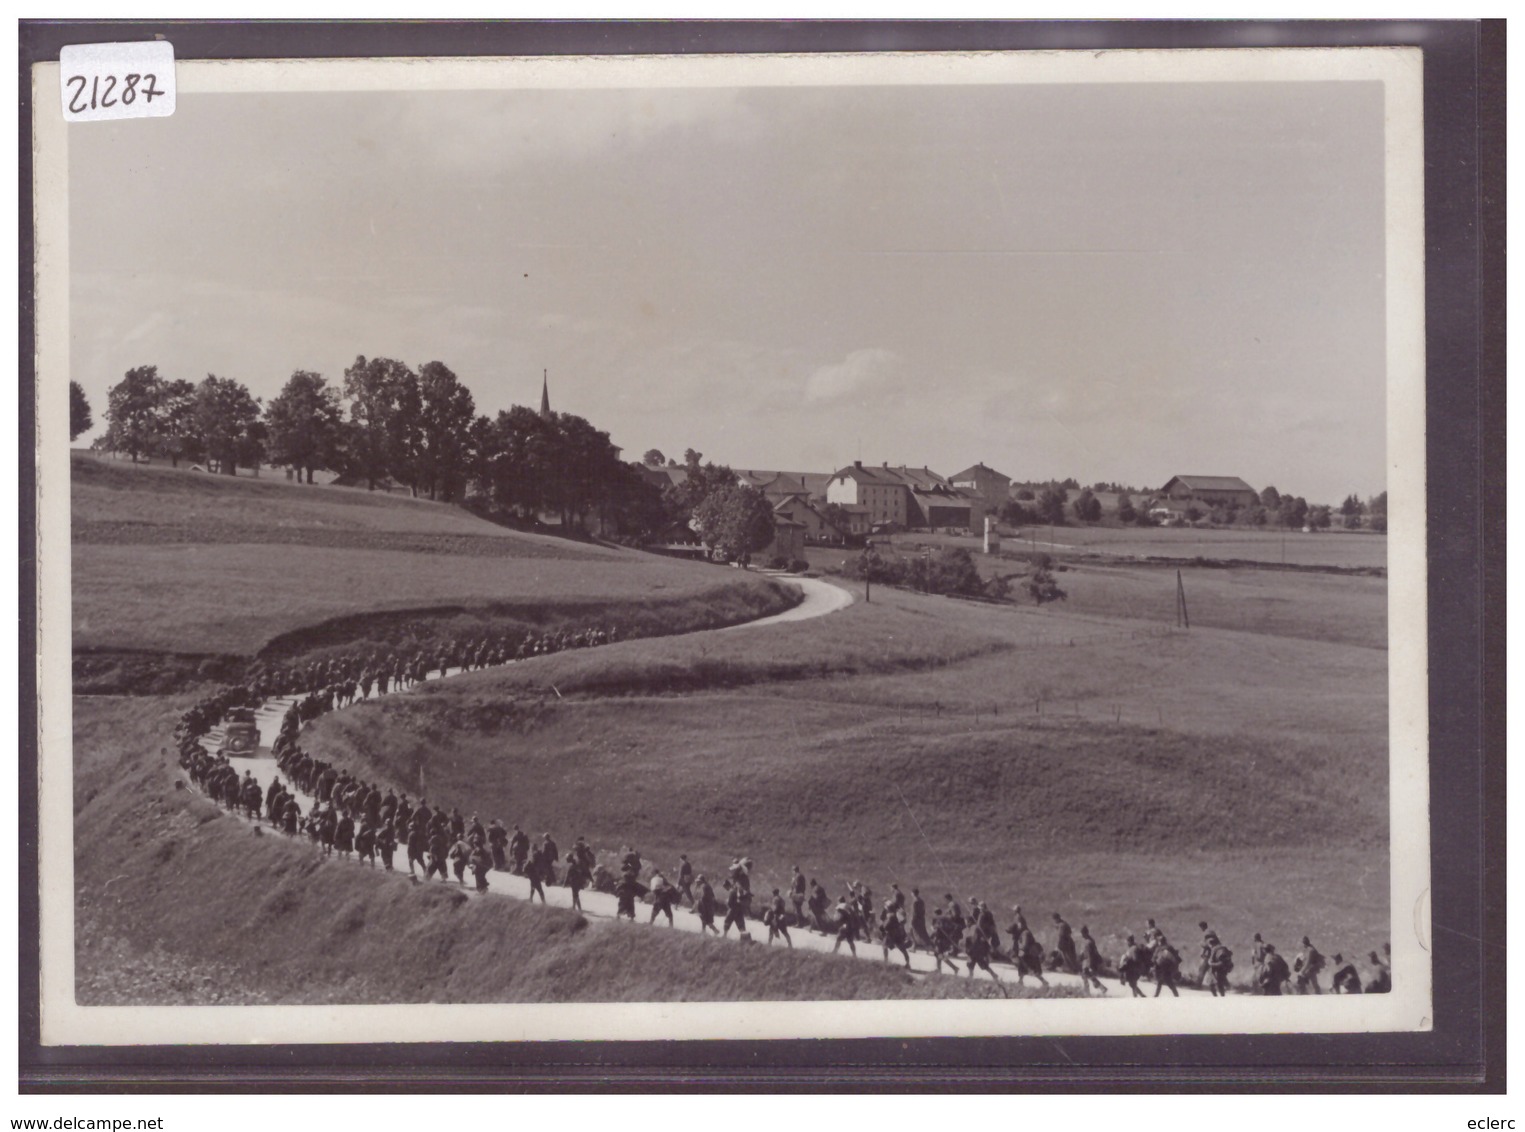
241,736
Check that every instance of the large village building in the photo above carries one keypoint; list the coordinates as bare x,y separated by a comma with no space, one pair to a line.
905,497
1211,491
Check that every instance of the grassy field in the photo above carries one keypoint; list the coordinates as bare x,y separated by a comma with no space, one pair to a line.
1085,756
1135,772
1346,609
1347,550
178,903
187,563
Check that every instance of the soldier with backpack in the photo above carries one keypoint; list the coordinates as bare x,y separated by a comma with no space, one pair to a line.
1308,964
1090,962
1273,972
1220,961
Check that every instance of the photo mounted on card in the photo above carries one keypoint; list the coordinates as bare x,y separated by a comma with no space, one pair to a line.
747,546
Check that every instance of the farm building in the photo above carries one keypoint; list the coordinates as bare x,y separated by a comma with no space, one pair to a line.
988,485
1210,490
818,529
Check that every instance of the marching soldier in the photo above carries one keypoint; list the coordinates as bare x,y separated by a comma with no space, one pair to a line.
1090,962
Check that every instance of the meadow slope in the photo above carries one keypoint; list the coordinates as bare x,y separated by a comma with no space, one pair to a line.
172,563
956,746
180,903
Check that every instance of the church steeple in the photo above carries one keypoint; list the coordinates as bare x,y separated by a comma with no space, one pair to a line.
545,396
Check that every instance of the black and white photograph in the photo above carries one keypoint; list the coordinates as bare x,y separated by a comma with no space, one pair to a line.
735,547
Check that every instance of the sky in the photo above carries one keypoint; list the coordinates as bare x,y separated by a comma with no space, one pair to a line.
1116,282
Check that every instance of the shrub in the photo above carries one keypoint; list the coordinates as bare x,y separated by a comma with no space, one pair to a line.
778,562
799,566
1043,588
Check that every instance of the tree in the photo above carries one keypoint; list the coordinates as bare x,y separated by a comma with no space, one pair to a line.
1319,517
372,440
1051,506
653,458
1294,512
736,521
1087,507
177,434
448,412
1125,511
1015,514
227,420
79,412
1025,494
405,431
304,422
517,461
635,505
585,467
1352,505
132,412
1253,516
1041,585
683,498
1377,505
1352,522
1270,499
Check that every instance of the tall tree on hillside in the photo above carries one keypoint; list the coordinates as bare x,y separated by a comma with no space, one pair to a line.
373,438
518,462
1087,507
481,444
304,422
448,414
79,412
1125,511
227,420
585,468
405,432
635,504
132,412
1051,506
654,458
177,435
735,521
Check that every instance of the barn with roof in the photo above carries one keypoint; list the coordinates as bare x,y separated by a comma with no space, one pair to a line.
1214,491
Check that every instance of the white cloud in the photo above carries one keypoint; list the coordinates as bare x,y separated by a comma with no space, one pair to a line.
862,371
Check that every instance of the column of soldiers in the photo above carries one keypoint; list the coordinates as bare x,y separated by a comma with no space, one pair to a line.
351,817
341,680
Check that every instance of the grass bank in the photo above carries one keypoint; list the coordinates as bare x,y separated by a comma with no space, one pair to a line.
179,575
179,903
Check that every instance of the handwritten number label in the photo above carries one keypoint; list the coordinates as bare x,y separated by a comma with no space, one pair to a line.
106,81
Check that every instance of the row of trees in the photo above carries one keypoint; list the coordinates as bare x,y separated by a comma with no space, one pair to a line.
388,423
385,424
